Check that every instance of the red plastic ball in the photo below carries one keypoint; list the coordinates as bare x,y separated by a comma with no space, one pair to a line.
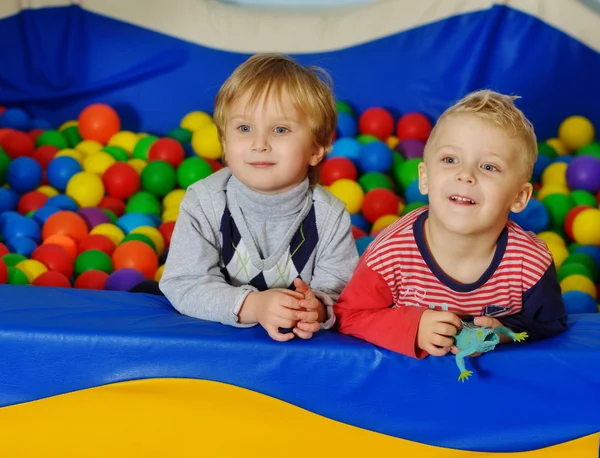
570,218
357,232
166,229
44,154
121,180
214,164
52,278
35,133
137,255
414,125
66,223
31,201
17,144
379,202
168,150
55,258
114,204
91,279
3,249
97,242
98,122
3,272
336,168
376,121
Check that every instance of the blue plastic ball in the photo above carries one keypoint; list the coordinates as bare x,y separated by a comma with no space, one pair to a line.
44,213
346,125
346,147
565,158
130,221
9,200
358,220
7,218
60,170
22,226
63,202
362,243
579,302
376,157
24,174
540,165
15,118
412,193
38,123
534,218
21,245
591,250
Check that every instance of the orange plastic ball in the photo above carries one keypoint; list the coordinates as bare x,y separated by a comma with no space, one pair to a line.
66,223
98,122
137,255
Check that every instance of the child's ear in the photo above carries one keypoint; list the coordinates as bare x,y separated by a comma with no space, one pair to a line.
317,156
423,186
522,198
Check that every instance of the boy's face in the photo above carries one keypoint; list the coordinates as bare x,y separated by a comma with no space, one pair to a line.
269,146
472,172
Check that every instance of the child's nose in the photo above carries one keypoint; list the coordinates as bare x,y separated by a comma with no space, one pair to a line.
260,144
465,176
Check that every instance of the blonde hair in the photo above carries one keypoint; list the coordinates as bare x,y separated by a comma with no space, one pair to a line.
310,89
500,111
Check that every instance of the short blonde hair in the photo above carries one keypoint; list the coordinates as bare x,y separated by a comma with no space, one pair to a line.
500,111
310,88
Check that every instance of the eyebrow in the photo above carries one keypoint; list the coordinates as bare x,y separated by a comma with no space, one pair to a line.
276,120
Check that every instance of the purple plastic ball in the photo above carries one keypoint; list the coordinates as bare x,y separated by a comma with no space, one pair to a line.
411,148
124,280
94,216
583,172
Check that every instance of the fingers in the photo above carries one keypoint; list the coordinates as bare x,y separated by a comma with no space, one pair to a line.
454,350
450,318
288,292
309,315
436,351
311,327
486,321
301,286
289,302
441,341
444,329
274,333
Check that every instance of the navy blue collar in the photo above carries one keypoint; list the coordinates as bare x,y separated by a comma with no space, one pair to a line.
419,232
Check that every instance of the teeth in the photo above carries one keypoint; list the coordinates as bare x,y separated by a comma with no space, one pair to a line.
462,199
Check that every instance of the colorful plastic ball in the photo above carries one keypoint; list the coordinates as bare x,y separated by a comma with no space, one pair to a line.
64,241
136,255
17,144
584,260
98,163
89,147
379,202
114,204
109,230
72,136
556,174
382,222
166,230
24,174
411,148
358,220
583,172
581,197
375,180
3,272
363,243
578,283
559,253
21,245
573,269
4,163
575,132
192,170
66,223
86,189
98,122
195,120
336,168
118,153
558,206
159,178
590,250
346,125
12,259
15,118
173,199
414,125
125,140
557,146
544,148
144,202
564,159
579,302
349,192
43,155
167,150
121,180
137,164
97,242
31,202
9,200
542,162
586,227
52,137
141,238
123,280
409,172
63,202
413,194
31,268
376,121
16,276
181,135
570,218
170,214
205,142
375,157
154,234
72,153
130,221
61,170
55,258
93,260
549,189
54,279
21,226
142,147
357,233
346,147
94,216
3,250
593,149
91,279
551,237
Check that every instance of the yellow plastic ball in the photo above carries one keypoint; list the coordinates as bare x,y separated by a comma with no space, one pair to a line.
170,214
552,189
401,207
88,147
173,199
205,142
195,120
555,174
124,139
98,162
109,230
349,192
578,282
575,132
559,253
383,221
86,189
70,152
137,164
159,273
142,135
392,142
557,146
48,190
67,124
551,237
586,227
31,268
153,234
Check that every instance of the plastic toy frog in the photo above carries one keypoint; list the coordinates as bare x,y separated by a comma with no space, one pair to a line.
476,339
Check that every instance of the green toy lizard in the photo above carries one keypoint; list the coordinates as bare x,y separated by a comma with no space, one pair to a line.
476,339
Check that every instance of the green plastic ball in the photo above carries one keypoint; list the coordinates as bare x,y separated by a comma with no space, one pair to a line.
142,238
181,135
343,107
374,180
159,178
93,260
72,136
142,147
52,137
143,202
409,171
584,260
412,206
582,197
192,170
558,205
547,150
367,138
16,276
593,149
4,163
118,153
12,259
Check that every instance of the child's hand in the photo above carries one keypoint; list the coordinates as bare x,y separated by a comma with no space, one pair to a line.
436,331
313,313
274,309
483,321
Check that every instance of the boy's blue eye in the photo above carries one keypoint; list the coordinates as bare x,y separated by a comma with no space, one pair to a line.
449,160
489,167
281,130
244,128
